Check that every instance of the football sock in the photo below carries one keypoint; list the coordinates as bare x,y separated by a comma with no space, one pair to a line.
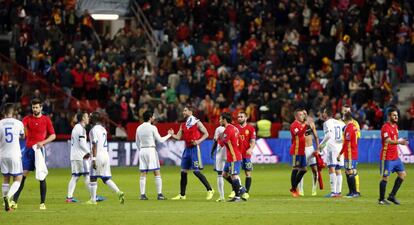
397,185
142,182
14,187
236,187
248,183
220,186
314,181
383,187
300,186
293,177
357,183
332,182
93,187
158,184
87,179
72,186
183,183
299,177
4,189
43,191
112,186
349,183
338,183
203,180
352,183
17,194
228,178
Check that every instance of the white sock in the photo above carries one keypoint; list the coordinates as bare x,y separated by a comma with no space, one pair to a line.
13,189
314,182
332,182
300,185
72,186
338,183
87,180
142,183
93,188
4,189
158,184
220,186
112,185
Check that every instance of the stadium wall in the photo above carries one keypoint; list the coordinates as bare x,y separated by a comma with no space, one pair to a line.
268,151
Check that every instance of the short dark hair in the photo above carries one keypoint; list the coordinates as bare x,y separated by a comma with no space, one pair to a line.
348,116
147,115
190,108
243,112
36,101
226,116
298,110
8,108
328,111
392,109
95,117
79,116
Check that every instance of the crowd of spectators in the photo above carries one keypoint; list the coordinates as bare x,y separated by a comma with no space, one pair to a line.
263,57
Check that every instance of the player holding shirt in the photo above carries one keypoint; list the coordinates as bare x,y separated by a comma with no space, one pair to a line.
297,150
11,130
350,151
247,144
39,131
193,133
218,151
100,160
79,155
332,141
390,162
231,140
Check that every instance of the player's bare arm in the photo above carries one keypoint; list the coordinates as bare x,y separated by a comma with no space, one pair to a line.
49,139
178,135
396,142
204,131
94,146
315,134
213,149
252,145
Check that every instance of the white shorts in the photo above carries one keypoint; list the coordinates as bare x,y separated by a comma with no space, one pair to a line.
310,158
11,166
148,160
220,159
103,168
80,167
333,152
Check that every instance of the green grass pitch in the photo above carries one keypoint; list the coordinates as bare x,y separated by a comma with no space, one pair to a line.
270,201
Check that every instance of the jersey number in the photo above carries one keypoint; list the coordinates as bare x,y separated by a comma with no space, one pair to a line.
106,141
9,134
338,133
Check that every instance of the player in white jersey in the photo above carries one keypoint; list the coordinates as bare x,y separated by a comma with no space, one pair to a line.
11,130
332,142
79,155
145,137
219,152
100,159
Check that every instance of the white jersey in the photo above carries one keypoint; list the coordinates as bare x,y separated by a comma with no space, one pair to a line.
79,147
10,132
98,136
147,134
333,130
218,133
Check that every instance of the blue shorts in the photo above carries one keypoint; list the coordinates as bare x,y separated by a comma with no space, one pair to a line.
350,164
391,166
191,158
299,161
247,164
232,168
28,158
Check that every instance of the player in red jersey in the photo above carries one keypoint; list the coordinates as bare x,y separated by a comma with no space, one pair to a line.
39,131
297,150
247,144
231,139
390,162
193,133
350,151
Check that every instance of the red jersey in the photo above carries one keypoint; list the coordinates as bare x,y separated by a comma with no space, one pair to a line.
231,141
190,133
389,151
350,145
37,129
247,133
297,131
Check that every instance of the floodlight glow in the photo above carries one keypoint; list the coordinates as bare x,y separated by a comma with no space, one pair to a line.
105,16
